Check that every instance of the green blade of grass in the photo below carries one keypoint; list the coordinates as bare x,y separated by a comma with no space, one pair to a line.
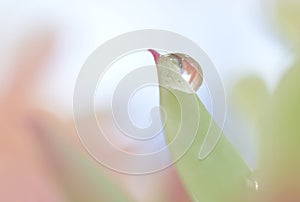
222,176
209,166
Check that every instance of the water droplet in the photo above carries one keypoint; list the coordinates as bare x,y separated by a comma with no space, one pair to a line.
252,187
178,71
252,183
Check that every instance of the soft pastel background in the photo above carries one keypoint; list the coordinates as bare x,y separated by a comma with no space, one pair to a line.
45,43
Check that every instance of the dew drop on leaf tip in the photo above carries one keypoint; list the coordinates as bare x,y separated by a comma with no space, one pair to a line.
178,71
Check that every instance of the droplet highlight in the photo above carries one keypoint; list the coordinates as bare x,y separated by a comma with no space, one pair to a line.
252,183
178,71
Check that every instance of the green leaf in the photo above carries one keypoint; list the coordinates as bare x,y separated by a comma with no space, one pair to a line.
249,96
279,161
288,16
218,175
222,175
